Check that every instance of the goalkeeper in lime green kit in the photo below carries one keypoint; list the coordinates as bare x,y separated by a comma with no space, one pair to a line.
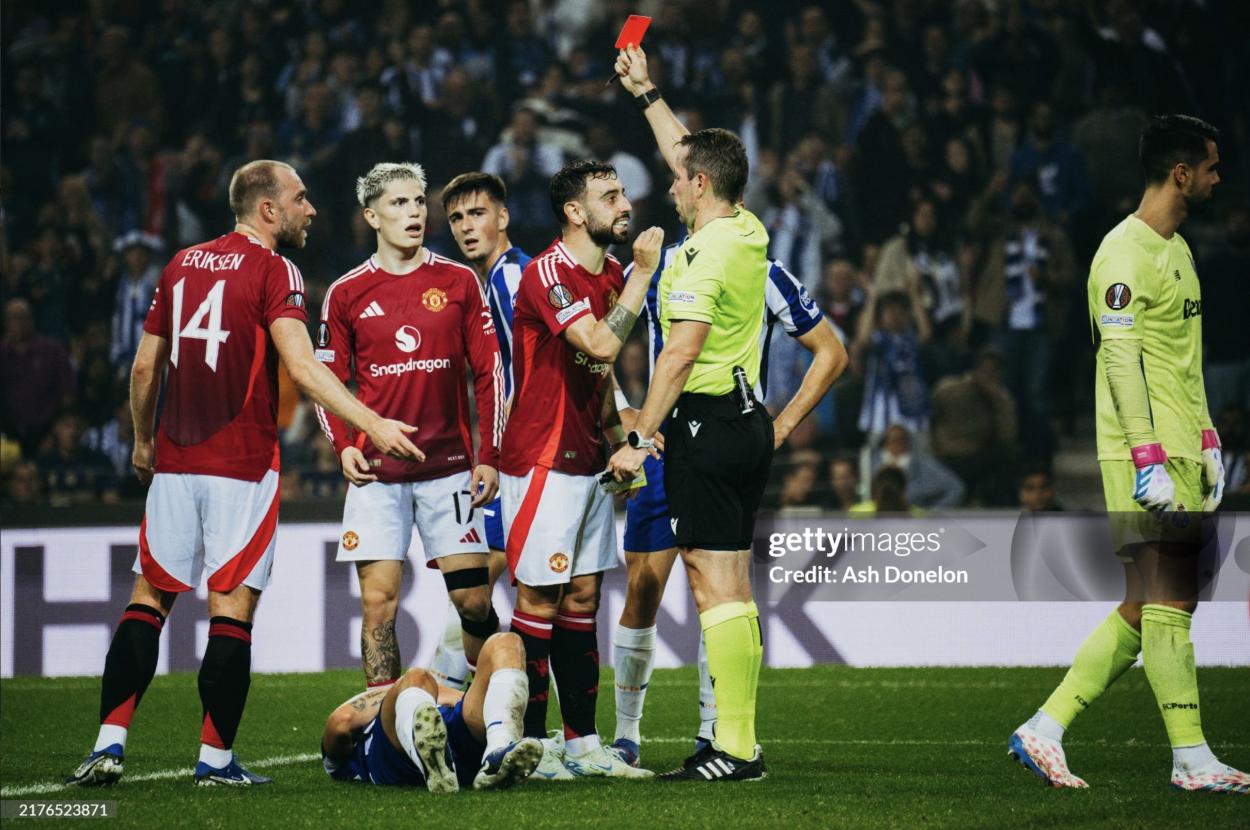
1160,462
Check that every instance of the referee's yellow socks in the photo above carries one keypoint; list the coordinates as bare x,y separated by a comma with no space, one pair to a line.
735,650
1109,651
1168,656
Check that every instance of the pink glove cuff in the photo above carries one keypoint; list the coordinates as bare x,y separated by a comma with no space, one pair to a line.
1148,454
1210,439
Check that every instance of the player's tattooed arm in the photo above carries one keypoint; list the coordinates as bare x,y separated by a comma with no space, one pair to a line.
348,719
620,321
379,651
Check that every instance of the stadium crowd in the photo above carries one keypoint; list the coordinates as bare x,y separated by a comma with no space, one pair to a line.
937,173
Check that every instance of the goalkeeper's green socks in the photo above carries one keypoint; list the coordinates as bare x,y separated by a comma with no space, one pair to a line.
1168,656
734,652
1109,651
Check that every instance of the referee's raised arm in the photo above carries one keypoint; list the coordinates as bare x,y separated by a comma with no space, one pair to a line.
719,439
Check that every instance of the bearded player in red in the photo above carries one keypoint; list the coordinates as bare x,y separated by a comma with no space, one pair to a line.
223,314
573,312
409,321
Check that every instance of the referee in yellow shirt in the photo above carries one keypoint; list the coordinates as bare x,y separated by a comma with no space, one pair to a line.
720,440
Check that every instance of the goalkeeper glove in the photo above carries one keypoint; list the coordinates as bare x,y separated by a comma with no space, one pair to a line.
1153,488
1212,471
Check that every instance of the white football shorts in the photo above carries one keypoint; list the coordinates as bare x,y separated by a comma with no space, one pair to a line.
197,523
558,526
378,519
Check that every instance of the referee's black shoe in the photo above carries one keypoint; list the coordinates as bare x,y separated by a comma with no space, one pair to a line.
713,764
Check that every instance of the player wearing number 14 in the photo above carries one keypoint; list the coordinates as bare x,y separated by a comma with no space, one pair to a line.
223,314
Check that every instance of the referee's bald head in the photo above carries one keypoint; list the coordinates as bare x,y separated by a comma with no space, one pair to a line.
721,156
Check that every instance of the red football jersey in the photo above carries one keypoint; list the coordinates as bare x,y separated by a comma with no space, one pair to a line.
407,337
558,390
214,304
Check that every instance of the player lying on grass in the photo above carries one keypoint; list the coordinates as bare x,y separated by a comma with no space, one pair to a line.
417,733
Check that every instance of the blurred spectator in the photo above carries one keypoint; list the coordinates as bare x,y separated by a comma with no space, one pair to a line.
603,145
1055,165
844,482
457,134
1233,425
887,494
880,179
124,87
798,484
842,293
24,488
1036,492
36,375
926,255
930,484
115,439
1021,299
139,272
145,172
33,136
1100,136
886,354
1226,348
975,430
416,83
802,231
803,103
631,371
74,473
521,145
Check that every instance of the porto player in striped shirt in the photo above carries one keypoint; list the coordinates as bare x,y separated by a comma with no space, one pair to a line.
224,312
476,208
573,311
407,321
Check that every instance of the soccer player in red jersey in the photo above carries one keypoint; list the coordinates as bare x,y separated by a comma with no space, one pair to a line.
409,320
223,314
573,312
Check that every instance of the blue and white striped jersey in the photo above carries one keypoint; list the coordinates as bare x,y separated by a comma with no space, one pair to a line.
501,288
786,301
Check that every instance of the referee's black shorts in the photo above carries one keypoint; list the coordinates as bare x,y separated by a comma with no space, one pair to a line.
716,464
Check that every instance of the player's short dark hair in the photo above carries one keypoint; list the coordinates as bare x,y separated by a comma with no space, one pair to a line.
467,184
893,298
721,156
569,183
253,182
1169,140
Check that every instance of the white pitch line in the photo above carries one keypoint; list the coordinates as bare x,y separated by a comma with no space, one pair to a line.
159,775
285,760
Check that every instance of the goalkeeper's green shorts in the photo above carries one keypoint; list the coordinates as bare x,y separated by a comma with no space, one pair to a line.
1131,524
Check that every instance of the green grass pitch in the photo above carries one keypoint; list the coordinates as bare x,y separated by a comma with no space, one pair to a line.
845,747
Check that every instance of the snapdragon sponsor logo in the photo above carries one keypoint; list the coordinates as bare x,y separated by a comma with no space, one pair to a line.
593,366
411,365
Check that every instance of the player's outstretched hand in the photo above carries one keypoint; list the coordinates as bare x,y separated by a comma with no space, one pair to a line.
631,68
647,251
143,459
484,485
356,467
390,436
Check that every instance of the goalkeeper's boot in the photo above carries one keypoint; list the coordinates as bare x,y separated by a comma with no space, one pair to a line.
603,763
1043,757
627,750
509,765
715,764
102,768
429,739
551,767
232,774
1211,778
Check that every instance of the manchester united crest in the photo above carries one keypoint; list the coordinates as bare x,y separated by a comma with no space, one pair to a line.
559,563
350,540
434,299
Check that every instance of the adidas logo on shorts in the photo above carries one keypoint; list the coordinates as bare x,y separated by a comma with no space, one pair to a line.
471,538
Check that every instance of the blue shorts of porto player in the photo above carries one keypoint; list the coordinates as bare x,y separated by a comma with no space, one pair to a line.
416,733
646,514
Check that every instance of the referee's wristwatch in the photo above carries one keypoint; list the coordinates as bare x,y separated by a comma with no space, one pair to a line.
635,440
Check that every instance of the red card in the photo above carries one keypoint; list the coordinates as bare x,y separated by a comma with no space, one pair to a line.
633,30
